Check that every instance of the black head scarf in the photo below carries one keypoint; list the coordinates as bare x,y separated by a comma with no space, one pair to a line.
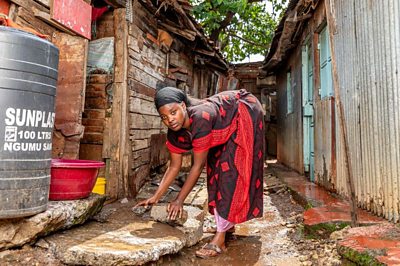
168,95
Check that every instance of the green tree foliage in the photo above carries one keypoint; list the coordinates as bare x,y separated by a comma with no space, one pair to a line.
240,27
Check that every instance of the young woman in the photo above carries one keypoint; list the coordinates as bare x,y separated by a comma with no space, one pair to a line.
226,133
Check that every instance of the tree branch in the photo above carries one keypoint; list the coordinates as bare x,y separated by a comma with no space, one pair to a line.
225,23
246,40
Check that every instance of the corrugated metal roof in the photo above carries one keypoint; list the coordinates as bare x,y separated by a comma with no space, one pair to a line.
283,40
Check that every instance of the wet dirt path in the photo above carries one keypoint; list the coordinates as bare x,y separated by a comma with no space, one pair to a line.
275,239
263,241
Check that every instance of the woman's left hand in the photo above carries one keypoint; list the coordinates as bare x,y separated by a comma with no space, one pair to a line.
175,209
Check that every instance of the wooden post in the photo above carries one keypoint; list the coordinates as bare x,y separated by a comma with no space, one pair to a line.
342,121
117,185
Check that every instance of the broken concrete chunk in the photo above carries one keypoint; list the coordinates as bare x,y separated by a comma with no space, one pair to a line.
140,210
159,213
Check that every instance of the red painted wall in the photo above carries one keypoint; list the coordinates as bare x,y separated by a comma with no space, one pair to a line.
4,7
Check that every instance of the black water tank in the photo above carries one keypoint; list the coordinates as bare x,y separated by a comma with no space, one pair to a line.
28,80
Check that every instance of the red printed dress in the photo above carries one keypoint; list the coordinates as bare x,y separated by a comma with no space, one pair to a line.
230,126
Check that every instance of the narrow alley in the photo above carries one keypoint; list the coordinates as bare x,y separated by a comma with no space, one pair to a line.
199,132
275,239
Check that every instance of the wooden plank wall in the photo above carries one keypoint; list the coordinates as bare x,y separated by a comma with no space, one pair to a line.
145,63
148,65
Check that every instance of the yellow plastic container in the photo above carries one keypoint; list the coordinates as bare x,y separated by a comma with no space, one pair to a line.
100,186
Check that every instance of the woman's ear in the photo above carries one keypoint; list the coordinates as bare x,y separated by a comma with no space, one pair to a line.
183,105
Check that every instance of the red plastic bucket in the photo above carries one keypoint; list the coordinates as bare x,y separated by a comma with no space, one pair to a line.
72,179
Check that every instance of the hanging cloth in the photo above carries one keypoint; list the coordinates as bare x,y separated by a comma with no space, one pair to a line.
5,21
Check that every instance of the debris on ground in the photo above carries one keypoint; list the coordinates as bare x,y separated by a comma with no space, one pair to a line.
124,201
140,210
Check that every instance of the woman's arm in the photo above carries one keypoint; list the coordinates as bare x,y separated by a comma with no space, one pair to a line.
169,177
175,207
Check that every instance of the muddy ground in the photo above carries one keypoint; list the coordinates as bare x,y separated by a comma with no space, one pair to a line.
276,239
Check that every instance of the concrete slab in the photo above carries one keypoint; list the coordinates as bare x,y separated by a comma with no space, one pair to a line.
322,206
338,212
375,243
60,215
372,245
125,238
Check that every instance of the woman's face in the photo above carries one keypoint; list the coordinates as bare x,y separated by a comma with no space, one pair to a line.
173,115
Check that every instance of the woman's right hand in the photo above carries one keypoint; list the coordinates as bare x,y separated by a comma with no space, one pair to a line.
150,201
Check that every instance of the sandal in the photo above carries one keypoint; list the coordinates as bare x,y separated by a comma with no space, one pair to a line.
209,250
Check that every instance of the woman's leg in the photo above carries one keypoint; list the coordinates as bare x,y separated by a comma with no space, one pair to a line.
222,227
217,244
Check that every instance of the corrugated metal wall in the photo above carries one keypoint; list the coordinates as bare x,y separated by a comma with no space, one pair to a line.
289,142
367,50
323,143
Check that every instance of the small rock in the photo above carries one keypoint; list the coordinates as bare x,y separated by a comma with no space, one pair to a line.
42,244
140,210
283,223
124,201
290,225
315,257
303,258
159,213
337,235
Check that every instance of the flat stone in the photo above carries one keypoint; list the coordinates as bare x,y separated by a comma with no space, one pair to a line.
127,239
189,199
201,199
133,244
59,215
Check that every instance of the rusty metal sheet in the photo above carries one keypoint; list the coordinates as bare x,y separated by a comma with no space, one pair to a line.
70,90
73,14
367,53
323,142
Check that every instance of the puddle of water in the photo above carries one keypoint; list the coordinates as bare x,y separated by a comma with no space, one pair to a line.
158,230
